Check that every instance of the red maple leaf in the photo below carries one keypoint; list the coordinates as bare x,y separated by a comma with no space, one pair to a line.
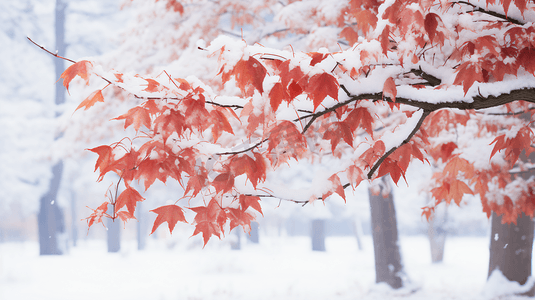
390,166
223,182
320,86
360,116
105,157
170,214
367,20
336,188
81,68
209,220
336,132
514,146
247,201
355,175
389,89
249,72
95,97
152,86
277,94
239,217
129,198
317,57
196,182
220,124
350,35
97,215
467,74
244,164
138,116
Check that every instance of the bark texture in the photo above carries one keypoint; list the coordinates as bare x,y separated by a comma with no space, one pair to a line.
388,267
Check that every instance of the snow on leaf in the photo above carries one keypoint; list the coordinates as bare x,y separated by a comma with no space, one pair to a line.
350,35
336,188
170,214
81,68
467,74
97,215
249,73
389,89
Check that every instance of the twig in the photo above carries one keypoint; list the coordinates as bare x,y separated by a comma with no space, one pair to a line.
406,140
51,53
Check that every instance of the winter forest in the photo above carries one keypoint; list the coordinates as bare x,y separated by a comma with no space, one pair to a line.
267,149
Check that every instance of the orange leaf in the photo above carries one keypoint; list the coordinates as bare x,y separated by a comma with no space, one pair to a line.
209,220
247,201
223,182
389,89
467,74
239,217
320,86
457,190
456,165
277,95
97,214
336,132
138,116
249,72
355,175
153,86
105,156
391,166
81,68
350,35
170,214
360,117
336,188
128,197
95,97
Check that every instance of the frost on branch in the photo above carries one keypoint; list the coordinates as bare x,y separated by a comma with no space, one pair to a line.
445,83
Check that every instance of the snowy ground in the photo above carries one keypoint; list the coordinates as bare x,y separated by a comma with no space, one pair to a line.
277,268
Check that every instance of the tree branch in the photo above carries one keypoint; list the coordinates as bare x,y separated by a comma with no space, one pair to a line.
491,13
406,140
50,52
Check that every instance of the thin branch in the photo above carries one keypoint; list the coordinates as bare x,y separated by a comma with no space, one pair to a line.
406,140
245,150
50,52
491,13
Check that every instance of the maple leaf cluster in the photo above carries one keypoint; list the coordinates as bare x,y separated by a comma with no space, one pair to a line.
435,81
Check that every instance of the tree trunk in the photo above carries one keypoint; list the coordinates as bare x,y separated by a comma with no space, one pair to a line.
253,234
50,218
436,233
357,226
318,235
74,220
114,235
388,267
141,227
511,248
235,241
